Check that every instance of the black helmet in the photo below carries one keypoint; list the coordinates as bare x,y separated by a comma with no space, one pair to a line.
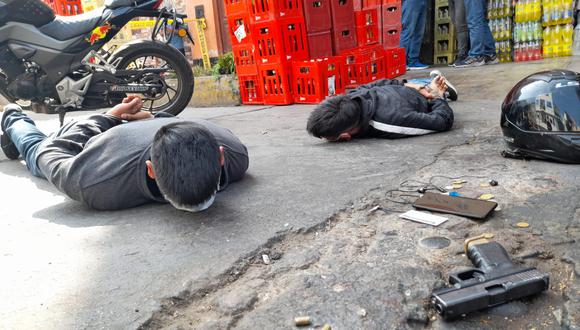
540,117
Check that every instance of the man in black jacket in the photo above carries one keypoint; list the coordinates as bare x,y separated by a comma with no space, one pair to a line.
386,109
126,158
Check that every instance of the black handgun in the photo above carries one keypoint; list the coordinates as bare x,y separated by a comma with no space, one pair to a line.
494,280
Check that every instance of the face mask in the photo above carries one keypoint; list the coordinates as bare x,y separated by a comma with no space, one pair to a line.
201,206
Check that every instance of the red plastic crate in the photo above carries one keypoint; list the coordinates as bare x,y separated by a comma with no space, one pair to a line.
234,23
391,36
343,38
365,4
317,15
281,40
391,13
364,65
342,12
276,83
320,44
245,59
315,80
367,17
367,28
251,89
367,35
236,7
395,62
272,10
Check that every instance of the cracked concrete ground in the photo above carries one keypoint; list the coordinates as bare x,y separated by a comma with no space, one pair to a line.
308,205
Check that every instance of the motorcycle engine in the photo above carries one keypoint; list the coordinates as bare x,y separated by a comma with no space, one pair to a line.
31,86
24,86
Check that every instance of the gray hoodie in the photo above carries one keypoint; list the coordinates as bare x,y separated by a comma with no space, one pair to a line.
101,160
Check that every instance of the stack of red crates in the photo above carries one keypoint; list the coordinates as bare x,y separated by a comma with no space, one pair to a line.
306,50
391,38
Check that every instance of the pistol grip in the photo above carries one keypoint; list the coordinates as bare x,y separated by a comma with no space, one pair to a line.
489,256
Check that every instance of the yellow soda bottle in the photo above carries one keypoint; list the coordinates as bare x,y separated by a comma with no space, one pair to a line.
537,10
556,41
567,11
548,49
519,11
528,10
556,5
567,32
546,20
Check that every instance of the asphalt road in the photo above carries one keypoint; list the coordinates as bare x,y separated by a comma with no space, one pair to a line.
64,266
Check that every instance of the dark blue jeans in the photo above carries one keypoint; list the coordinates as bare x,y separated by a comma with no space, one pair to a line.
482,42
413,20
25,136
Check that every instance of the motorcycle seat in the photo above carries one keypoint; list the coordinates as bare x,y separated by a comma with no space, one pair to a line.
68,27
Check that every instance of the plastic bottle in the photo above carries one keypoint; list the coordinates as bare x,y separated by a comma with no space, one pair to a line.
567,11
548,48
538,50
537,10
556,9
567,33
556,41
576,42
538,31
529,31
547,13
528,10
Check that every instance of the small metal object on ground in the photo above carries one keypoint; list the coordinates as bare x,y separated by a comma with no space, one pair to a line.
486,197
493,183
522,224
266,259
326,327
300,321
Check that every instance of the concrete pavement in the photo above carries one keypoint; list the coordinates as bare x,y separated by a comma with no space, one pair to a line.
67,267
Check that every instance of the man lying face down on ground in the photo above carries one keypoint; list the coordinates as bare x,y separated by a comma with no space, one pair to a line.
125,157
385,108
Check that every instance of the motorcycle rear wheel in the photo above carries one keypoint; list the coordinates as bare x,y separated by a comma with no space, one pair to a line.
178,80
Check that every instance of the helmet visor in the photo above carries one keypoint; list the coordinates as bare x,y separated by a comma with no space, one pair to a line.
556,109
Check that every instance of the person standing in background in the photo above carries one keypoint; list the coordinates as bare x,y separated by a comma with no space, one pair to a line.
482,44
457,12
413,20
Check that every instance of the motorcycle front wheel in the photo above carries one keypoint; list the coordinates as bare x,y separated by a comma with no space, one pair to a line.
177,79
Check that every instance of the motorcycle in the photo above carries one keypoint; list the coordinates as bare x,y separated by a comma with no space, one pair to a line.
58,64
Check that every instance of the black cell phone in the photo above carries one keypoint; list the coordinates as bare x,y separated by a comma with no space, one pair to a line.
467,207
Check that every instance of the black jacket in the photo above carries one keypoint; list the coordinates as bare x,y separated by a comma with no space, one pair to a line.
391,110
101,160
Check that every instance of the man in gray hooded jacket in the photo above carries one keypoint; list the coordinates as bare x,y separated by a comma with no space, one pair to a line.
126,158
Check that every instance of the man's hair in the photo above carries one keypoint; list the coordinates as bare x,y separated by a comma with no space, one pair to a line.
333,116
186,163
